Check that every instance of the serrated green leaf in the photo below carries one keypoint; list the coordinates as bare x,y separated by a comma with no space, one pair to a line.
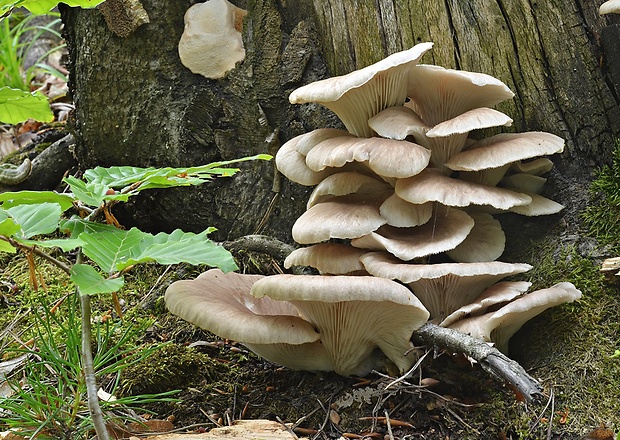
6,247
40,7
66,244
92,194
184,247
18,106
111,249
42,218
8,226
90,282
9,199
76,225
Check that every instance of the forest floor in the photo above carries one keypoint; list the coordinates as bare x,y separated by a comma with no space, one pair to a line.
569,349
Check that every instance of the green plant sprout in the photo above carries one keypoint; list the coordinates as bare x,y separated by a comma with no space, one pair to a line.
29,218
17,103
50,405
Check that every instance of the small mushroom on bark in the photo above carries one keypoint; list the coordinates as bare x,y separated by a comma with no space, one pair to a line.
211,43
354,316
359,95
499,326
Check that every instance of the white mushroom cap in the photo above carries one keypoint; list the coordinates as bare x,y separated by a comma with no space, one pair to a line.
402,214
438,94
485,242
443,232
398,123
527,183
385,157
505,148
211,43
535,167
327,258
348,216
308,141
221,303
474,119
498,327
292,164
610,7
354,316
538,206
218,302
341,184
430,185
499,293
359,95
444,287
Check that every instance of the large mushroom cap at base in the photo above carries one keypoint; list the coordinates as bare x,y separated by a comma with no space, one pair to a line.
354,315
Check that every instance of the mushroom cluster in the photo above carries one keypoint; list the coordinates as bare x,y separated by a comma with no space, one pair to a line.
400,225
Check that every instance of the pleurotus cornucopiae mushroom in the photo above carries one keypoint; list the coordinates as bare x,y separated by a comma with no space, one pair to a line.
610,7
306,322
403,188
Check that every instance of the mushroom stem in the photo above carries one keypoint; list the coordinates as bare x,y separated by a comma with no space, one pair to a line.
496,364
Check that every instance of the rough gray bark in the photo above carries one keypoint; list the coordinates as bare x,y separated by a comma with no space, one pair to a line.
136,104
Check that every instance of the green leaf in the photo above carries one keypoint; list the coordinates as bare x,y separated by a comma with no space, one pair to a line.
90,282
8,226
92,194
66,244
18,106
9,199
111,249
185,247
40,7
76,225
42,218
6,247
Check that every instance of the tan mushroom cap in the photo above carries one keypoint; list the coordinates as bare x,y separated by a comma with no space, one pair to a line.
341,184
292,164
443,287
485,242
538,206
474,119
354,316
211,44
359,95
431,186
498,327
402,214
327,258
438,94
443,232
398,123
385,157
308,141
499,293
348,216
526,183
610,7
217,302
535,167
505,148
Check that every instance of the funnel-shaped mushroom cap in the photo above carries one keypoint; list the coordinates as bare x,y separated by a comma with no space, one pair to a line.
610,7
222,304
535,167
505,148
348,216
438,94
443,232
359,95
307,141
354,316
403,214
445,287
431,186
342,184
385,157
398,123
219,302
499,293
211,43
485,242
327,258
526,183
498,327
292,164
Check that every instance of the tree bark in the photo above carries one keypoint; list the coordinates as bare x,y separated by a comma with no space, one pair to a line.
136,103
